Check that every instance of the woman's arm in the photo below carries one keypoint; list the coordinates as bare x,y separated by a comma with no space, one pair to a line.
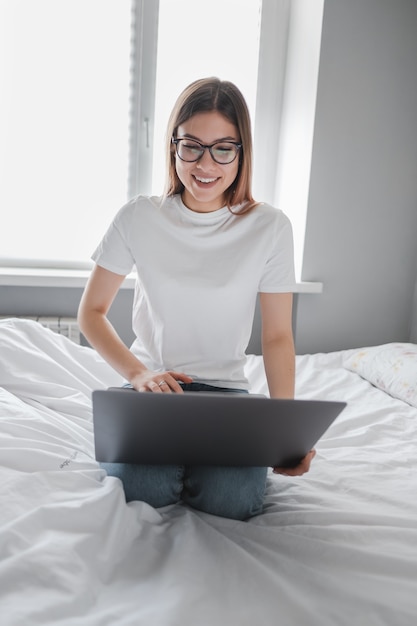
279,357
278,343
98,296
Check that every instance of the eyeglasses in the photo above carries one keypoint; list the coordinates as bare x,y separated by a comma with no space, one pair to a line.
191,150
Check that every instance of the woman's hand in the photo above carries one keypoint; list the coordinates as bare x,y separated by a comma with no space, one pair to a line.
160,382
298,470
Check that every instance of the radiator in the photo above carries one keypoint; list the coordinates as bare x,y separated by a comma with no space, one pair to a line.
66,326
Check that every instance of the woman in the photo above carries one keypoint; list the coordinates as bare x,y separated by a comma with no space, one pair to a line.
203,251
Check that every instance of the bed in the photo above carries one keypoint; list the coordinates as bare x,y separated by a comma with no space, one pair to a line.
337,546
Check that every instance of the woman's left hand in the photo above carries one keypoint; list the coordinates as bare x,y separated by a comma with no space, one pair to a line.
298,470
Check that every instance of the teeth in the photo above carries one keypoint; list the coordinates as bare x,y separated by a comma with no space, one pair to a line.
205,180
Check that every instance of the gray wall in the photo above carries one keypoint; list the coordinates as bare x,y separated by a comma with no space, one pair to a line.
361,236
413,333
362,216
51,301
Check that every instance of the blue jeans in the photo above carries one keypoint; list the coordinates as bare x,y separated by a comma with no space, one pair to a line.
233,492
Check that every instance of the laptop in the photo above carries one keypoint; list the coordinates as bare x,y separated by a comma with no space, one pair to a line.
199,428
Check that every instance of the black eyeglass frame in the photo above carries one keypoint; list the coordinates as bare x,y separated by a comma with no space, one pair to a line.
204,147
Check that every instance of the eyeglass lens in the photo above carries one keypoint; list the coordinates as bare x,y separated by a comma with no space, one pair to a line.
222,152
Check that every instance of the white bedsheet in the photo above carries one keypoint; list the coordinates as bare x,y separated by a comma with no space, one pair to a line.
335,547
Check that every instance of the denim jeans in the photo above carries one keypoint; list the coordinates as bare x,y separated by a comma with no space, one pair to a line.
233,492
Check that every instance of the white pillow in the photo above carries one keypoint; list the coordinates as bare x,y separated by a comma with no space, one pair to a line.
391,367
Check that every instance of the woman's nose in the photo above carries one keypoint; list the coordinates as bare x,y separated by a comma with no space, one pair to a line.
206,159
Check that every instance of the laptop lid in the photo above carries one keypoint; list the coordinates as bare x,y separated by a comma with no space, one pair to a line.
198,428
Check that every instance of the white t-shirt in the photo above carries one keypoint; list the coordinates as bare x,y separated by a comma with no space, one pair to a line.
198,275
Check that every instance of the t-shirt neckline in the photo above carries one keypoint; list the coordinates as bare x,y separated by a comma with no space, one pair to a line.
205,218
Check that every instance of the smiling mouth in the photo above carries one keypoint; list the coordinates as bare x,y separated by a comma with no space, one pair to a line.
205,181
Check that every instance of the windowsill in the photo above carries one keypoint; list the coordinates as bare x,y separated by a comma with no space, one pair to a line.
45,277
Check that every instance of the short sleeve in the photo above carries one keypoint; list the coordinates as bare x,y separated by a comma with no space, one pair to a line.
279,273
113,252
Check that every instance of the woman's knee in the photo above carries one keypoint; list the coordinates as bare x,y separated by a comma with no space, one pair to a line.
157,485
232,492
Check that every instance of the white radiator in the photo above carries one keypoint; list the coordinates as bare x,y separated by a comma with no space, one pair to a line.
66,326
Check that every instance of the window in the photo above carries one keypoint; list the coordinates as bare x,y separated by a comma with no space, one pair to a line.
87,87
176,42
64,122
222,41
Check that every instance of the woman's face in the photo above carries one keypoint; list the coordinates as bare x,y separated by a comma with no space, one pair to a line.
206,181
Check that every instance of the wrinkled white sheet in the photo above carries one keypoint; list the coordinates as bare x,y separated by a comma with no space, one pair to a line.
335,547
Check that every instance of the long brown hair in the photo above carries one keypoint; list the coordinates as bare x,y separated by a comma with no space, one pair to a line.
212,94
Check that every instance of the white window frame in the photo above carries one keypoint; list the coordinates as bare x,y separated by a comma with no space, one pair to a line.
297,118
275,23
145,15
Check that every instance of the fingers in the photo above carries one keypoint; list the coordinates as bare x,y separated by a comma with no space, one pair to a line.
159,387
184,378
164,383
299,469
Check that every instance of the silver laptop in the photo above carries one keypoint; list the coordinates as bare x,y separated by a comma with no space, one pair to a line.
198,428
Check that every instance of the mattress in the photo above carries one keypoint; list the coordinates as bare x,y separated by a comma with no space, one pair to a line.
337,546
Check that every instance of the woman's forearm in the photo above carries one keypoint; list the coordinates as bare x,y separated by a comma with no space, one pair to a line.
100,333
279,361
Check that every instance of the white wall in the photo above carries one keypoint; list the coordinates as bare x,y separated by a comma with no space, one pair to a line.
361,234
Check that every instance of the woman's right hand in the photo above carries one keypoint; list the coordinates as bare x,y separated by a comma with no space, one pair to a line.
160,382
100,291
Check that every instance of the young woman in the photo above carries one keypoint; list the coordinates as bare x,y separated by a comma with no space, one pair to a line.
202,252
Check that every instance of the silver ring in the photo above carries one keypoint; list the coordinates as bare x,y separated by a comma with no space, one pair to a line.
163,382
